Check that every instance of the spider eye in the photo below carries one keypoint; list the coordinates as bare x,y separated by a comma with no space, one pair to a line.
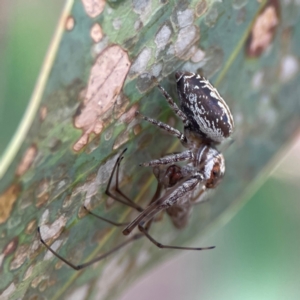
215,173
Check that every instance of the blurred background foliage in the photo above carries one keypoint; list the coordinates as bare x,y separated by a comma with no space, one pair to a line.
257,254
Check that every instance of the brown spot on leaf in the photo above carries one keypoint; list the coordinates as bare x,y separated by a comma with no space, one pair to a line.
58,265
263,29
70,23
26,160
96,33
43,113
7,200
121,139
128,116
105,83
43,285
42,192
31,227
120,106
201,8
93,7
11,246
137,129
36,281
82,212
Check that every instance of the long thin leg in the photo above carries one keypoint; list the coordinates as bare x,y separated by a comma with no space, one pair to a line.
159,245
84,265
104,219
107,191
171,158
165,127
121,193
173,105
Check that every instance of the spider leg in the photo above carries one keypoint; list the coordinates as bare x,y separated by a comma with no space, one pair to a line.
174,106
128,201
169,199
99,258
105,219
171,158
165,127
159,245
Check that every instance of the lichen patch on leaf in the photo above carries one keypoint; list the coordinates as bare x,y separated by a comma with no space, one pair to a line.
55,246
263,30
186,38
105,83
185,18
142,7
289,68
163,36
8,291
27,160
20,257
93,7
140,63
198,56
7,200
53,231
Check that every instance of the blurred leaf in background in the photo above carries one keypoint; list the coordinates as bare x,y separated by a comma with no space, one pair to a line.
26,30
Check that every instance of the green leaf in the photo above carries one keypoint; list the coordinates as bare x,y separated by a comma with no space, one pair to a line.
97,73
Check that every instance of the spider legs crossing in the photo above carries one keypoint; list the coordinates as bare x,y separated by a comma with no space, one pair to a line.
128,201
143,226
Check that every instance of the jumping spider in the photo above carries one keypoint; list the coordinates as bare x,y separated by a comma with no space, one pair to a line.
207,122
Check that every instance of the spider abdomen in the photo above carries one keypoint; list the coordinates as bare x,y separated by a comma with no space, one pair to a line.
206,110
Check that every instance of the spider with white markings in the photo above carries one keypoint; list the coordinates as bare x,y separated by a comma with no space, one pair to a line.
207,122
